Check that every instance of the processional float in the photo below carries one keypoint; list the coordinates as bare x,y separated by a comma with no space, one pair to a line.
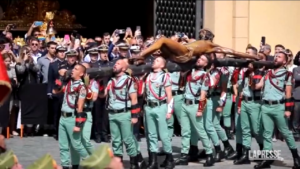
183,57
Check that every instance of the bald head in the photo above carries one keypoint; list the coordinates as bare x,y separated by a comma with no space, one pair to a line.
163,60
159,63
121,66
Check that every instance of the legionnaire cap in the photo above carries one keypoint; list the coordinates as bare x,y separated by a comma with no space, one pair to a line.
72,53
135,49
93,50
45,162
123,46
103,48
8,160
100,158
61,48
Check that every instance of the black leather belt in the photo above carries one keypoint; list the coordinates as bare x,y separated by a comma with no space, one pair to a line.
119,111
155,104
273,102
67,114
87,109
174,93
190,102
247,99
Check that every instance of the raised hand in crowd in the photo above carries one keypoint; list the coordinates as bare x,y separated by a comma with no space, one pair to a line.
137,33
115,39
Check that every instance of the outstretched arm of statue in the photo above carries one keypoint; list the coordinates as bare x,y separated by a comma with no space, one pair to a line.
219,49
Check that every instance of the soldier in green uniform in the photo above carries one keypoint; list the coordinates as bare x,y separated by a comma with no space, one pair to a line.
276,108
123,112
227,108
249,107
236,80
92,87
216,102
192,122
72,119
158,108
177,94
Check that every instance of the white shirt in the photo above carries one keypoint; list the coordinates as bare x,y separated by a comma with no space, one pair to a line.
291,68
35,57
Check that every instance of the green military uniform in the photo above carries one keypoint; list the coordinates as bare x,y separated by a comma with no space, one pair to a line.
177,94
68,139
273,112
250,114
228,105
212,118
273,108
156,110
87,128
250,117
192,127
238,127
119,104
217,76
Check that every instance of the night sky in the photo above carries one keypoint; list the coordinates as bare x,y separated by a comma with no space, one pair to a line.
106,16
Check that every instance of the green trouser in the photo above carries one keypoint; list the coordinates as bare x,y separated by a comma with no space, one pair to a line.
227,111
193,126
238,126
251,122
121,131
70,142
178,100
156,122
212,121
274,114
86,133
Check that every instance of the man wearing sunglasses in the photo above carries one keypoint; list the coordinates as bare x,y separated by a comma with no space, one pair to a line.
34,46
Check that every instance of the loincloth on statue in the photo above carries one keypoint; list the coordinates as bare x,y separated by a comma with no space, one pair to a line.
184,58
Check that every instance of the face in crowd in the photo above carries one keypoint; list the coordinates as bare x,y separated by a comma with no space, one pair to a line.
71,59
202,61
120,66
78,71
34,45
159,63
280,59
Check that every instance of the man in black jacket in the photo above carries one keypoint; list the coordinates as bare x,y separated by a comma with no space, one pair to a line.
52,76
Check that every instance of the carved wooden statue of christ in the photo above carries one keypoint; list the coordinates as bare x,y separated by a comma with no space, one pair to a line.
182,53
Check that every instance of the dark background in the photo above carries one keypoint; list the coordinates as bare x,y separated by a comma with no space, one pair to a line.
108,15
